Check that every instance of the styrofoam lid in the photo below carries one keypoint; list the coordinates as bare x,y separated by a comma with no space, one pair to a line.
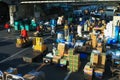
93,18
96,51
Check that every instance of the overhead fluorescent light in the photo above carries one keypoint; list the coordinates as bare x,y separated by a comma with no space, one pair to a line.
48,1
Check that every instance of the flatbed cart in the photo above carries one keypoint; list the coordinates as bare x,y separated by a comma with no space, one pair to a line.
115,73
115,69
13,77
35,74
20,43
48,58
1,75
39,50
32,75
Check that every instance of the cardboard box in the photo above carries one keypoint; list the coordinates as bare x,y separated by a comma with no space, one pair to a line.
99,44
63,61
18,45
66,53
94,44
99,49
94,59
56,59
61,53
29,77
70,51
61,46
102,59
83,48
88,70
98,72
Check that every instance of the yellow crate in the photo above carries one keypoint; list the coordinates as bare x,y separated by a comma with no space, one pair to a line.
19,41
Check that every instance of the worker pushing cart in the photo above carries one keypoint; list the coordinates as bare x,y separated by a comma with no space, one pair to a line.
52,30
24,34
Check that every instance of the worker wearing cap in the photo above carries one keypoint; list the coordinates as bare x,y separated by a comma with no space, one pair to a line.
66,31
24,34
54,49
52,30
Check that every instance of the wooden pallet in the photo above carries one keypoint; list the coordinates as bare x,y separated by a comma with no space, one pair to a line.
32,57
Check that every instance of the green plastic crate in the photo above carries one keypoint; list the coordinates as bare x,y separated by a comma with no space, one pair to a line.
63,61
21,27
27,27
16,25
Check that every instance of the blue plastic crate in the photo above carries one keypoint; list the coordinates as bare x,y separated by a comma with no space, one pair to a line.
98,75
83,56
60,40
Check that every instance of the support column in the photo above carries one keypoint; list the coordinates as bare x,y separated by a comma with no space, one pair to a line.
12,9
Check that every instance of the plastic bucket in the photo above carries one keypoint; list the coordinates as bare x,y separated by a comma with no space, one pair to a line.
119,38
66,32
60,40
116,32
113,41
83,56
70,38
60,35
109,41
16,25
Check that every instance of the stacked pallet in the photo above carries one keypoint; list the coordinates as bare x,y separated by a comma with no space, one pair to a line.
61,50
74,62
97,62
98,59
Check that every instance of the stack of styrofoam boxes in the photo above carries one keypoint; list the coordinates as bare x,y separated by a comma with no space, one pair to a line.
108,32
79,30
85,26
98,63
74,61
